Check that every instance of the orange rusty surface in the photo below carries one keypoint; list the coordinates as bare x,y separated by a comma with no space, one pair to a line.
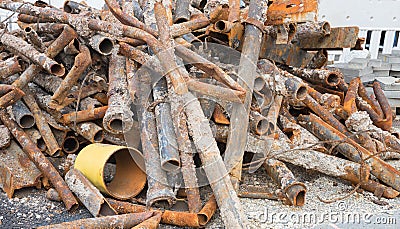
282,11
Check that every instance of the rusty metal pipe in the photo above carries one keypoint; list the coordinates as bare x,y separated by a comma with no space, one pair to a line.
383,171
167,144
295,191
216,172
349,103
90,131
258,123
85,115
117,221
317,76
42,125
158,189
118,117
10,67
73,7
23,115
102,44
207,211
34,39
70,144
88,194
81,63
40,161
182,12
27,50
150,223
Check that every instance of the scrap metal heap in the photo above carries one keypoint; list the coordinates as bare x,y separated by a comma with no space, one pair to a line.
102,102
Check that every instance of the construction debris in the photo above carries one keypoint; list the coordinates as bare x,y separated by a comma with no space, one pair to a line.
118,101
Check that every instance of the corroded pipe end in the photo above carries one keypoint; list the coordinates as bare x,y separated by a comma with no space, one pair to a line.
117,122
296,88
259,83
102,44
26,121
325,28
296,193
57,69
223,26
333,78
172,164
70,144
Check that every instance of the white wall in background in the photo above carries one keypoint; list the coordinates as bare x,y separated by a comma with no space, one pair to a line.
363,13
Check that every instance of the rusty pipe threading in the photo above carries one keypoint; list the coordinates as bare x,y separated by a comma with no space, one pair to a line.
102,44
23,115
258,123
40,161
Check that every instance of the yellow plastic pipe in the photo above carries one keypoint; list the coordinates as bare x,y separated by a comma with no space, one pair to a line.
129,179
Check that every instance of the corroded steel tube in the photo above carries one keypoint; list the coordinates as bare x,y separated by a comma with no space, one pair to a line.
213,165
386,123
34,38
349,103
30,52
117,221
258,123
90,131
118,117
9,67
102,44
81,63
40,161
317,76
383,171
158,189
182,12
167,144
247,73
23,115
295,191
85,115
150,223
207,211
88,194
42,125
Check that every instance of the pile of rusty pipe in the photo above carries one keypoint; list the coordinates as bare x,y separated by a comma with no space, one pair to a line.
82,62
41,123
116,29
40,161
236,142
214,91
383,171
9,67
32,54
117,221
228,202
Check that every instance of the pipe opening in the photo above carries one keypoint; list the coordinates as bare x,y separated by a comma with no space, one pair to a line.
300,198
301,93
171,165
220,25
262,127
98,137
333,79
326,28
129,179
180,20
67,8
259,83
203,219
57,69
27,121
116,125
106,46
28,29
70,144
41,144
